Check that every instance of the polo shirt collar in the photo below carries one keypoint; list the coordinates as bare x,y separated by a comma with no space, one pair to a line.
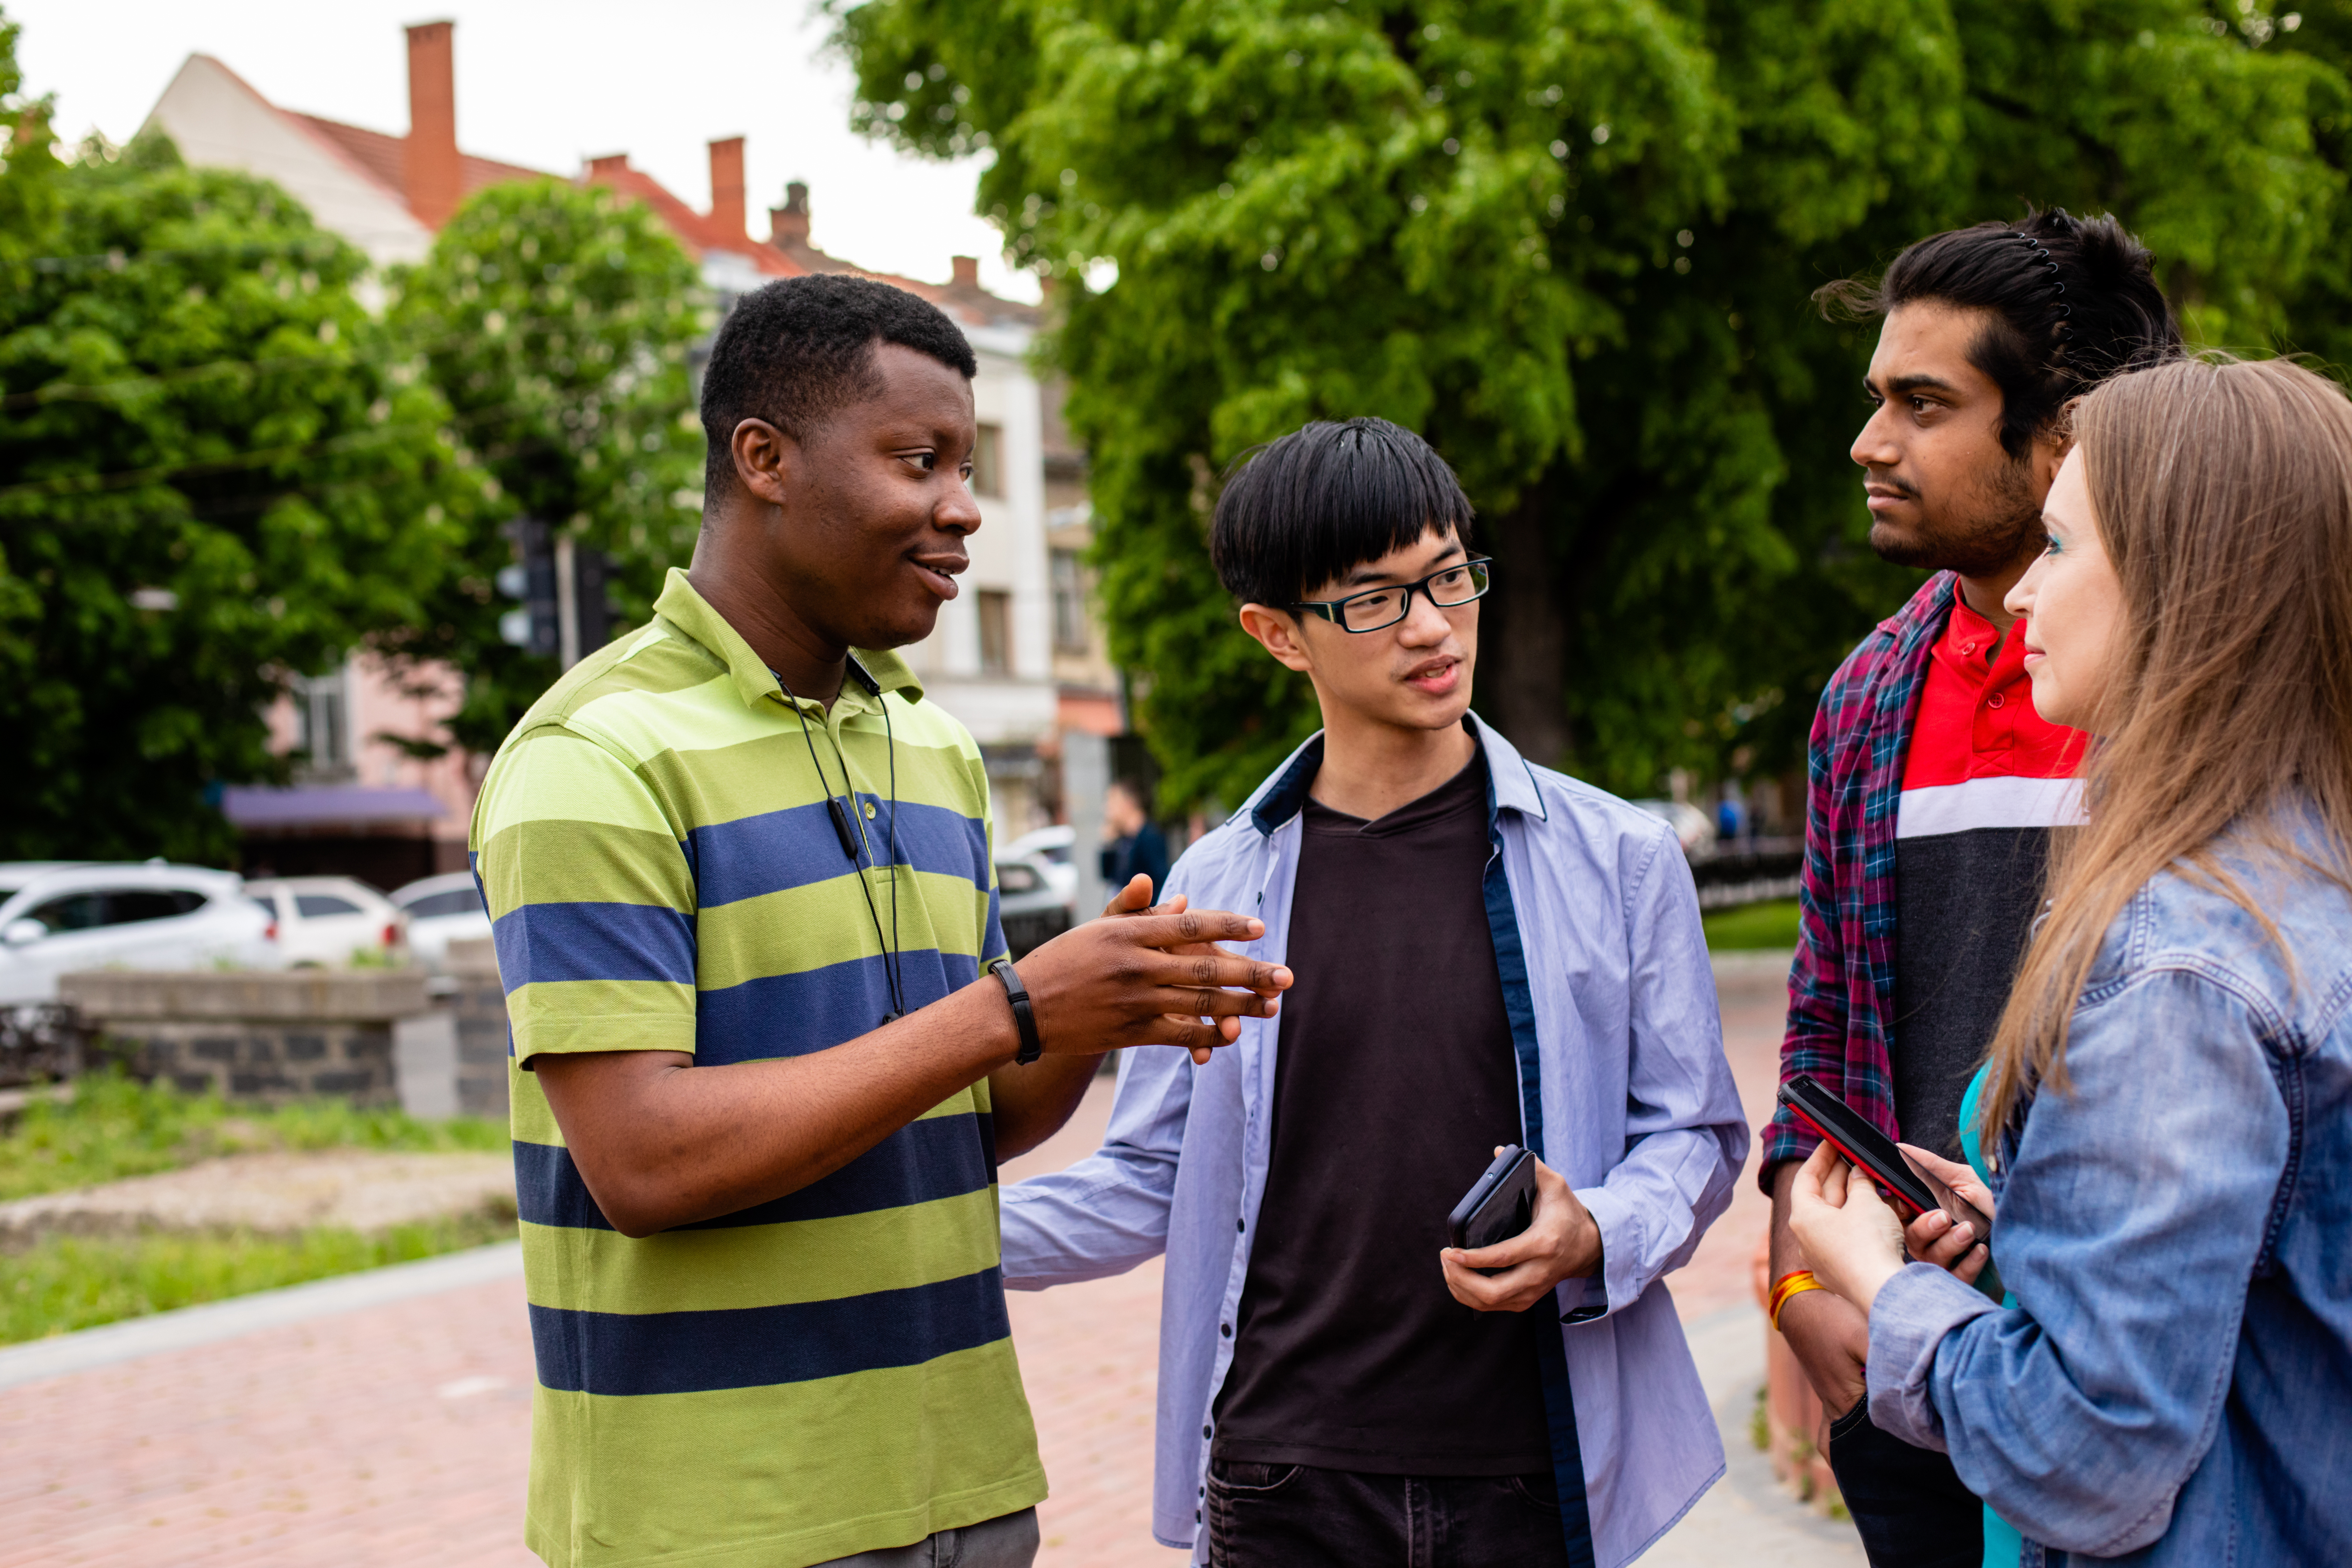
692,614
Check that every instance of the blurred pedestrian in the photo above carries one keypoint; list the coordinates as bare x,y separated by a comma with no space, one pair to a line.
2167,1109
1135,846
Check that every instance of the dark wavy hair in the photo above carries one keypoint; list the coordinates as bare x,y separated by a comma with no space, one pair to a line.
2073,302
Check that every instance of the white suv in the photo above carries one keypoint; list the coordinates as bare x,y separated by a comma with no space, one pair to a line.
327,921
63,917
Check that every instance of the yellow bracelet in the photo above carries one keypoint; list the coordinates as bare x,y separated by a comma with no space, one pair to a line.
1794,1283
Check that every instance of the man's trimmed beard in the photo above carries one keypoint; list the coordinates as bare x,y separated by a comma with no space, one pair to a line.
2002,523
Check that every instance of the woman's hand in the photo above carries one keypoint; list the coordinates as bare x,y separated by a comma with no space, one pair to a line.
1946,1240
1853,1242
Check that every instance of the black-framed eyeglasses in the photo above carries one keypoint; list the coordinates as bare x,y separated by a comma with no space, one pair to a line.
1376,607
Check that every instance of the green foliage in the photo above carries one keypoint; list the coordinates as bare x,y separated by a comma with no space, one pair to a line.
1571,241
1753,928
557,322
214,474
67,1282
113,1127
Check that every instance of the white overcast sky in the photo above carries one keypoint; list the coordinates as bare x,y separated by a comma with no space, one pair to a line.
549,85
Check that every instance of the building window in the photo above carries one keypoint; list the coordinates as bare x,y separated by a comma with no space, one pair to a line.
988,461
995,632
1069,603
323,724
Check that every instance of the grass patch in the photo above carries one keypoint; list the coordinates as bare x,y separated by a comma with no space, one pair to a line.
115,1127
1753,928
68,1282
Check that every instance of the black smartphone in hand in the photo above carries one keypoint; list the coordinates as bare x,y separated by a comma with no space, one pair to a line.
1912,1189
1499,1205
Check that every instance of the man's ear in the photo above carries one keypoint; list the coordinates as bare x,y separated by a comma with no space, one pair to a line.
2048,453
1276,633
767,460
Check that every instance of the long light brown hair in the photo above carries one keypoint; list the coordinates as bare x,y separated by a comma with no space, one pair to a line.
2222,492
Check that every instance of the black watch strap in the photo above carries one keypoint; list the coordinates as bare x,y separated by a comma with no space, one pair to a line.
1024,1015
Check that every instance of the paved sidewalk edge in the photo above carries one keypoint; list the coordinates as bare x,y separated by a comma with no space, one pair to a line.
215,1320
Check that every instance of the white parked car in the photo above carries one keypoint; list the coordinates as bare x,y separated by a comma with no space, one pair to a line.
441,910
1032,910
1056,848
1693,829
63,917
327,921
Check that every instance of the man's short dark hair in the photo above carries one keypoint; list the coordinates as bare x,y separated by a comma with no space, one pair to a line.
2074,302
799,350
1299,513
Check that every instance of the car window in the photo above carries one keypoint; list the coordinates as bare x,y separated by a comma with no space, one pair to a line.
456,902
265,903
125,905
75,912
311,906
116,906
1012,876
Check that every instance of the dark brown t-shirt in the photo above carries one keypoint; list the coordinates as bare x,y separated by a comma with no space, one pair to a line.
1395,1079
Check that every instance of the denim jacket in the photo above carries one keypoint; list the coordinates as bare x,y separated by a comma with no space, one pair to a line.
1624,1091
2174,1385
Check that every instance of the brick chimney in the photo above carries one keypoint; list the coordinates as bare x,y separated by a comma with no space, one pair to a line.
789,224
967,271
430,172
602,171
727,216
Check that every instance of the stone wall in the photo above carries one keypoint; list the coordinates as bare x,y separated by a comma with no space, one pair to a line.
471,993
257,1036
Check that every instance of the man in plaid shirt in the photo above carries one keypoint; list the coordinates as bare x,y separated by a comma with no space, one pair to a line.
1933,785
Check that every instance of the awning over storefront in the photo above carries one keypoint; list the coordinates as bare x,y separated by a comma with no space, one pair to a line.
254,809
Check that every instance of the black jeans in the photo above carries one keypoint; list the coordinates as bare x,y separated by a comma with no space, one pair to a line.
1294,1516
1907,1503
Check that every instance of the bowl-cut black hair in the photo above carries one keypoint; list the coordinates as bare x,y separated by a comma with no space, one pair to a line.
1304,510
799,350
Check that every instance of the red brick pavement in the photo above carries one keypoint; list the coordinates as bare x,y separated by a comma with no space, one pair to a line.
400,1433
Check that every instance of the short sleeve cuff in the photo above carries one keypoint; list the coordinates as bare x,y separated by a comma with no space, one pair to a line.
619,1032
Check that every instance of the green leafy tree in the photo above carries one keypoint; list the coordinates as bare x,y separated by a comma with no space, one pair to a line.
557,320
215,474
1571,241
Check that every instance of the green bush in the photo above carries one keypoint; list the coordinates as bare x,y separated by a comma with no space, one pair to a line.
1753,928
115,1127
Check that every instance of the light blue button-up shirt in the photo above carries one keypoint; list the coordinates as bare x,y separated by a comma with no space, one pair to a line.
1626,1091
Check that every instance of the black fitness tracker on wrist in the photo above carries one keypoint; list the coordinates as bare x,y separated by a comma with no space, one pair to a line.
1032,1047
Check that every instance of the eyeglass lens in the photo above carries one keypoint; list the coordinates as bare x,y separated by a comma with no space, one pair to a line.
1386,606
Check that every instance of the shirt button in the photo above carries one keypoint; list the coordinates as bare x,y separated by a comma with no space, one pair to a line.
1968,648
1205,1431
869,811
1995,700
1226,1330
1196,1512
1241,1225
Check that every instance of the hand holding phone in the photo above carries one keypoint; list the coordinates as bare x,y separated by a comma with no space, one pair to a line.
1909,1186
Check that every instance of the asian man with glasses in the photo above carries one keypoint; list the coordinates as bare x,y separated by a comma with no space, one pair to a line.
1485,953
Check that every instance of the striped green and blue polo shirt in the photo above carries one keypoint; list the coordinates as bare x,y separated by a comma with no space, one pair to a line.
833,1372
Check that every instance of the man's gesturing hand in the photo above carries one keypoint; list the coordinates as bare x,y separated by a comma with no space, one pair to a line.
1151,979
1561,1242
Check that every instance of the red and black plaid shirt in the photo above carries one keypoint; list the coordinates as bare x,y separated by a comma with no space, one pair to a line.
1842,986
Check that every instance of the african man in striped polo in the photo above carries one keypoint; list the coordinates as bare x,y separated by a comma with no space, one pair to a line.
766,1054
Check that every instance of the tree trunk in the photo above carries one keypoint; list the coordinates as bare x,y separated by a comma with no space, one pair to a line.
1523,651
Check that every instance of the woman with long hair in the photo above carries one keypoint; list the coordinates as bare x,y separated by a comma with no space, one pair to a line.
2167,1112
